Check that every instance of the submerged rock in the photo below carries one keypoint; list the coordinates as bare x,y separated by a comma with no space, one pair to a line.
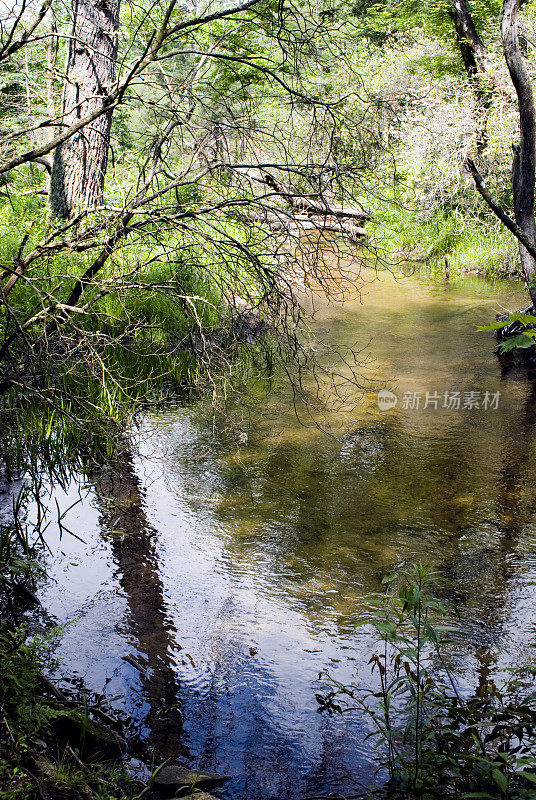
89,737
173,777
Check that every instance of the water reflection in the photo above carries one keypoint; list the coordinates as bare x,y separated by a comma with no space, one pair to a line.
258,561
149,626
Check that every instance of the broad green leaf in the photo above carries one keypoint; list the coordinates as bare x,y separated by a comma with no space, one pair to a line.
519,342
500,779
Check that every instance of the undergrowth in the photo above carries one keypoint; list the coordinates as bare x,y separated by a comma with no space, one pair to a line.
446,242
432,739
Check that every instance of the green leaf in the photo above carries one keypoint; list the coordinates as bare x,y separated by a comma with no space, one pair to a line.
530,776
500,779
493,326
387,628
431,633
520,342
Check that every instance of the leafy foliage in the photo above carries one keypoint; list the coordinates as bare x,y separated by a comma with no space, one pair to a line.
522,339
434,741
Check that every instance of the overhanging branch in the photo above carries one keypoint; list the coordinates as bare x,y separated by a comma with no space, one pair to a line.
499,212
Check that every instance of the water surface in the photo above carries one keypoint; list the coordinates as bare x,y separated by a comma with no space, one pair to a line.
236,573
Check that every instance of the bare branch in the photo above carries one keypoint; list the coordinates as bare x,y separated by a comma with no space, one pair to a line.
499,212
11,47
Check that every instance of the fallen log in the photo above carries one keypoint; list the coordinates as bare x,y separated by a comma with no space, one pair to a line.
306,222
311,206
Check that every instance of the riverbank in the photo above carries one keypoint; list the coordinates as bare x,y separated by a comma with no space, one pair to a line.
443,244
51,746
64,743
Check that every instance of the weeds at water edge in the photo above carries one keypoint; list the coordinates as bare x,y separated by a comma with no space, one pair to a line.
431,739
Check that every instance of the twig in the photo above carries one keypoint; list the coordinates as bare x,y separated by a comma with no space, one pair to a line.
36,781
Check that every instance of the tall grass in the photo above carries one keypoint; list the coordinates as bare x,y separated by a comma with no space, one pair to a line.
446,240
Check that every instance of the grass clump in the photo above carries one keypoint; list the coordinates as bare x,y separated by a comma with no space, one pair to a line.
446,241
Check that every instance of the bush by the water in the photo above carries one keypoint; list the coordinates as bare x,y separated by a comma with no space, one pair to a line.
432,739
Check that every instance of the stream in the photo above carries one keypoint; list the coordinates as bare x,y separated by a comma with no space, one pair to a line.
235,574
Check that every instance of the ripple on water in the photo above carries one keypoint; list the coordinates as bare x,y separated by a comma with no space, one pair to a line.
237,575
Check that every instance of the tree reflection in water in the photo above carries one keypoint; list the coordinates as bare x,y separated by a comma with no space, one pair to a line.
124,523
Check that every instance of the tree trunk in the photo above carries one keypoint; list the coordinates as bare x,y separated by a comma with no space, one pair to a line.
80,163
524,162
472,48
477,66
